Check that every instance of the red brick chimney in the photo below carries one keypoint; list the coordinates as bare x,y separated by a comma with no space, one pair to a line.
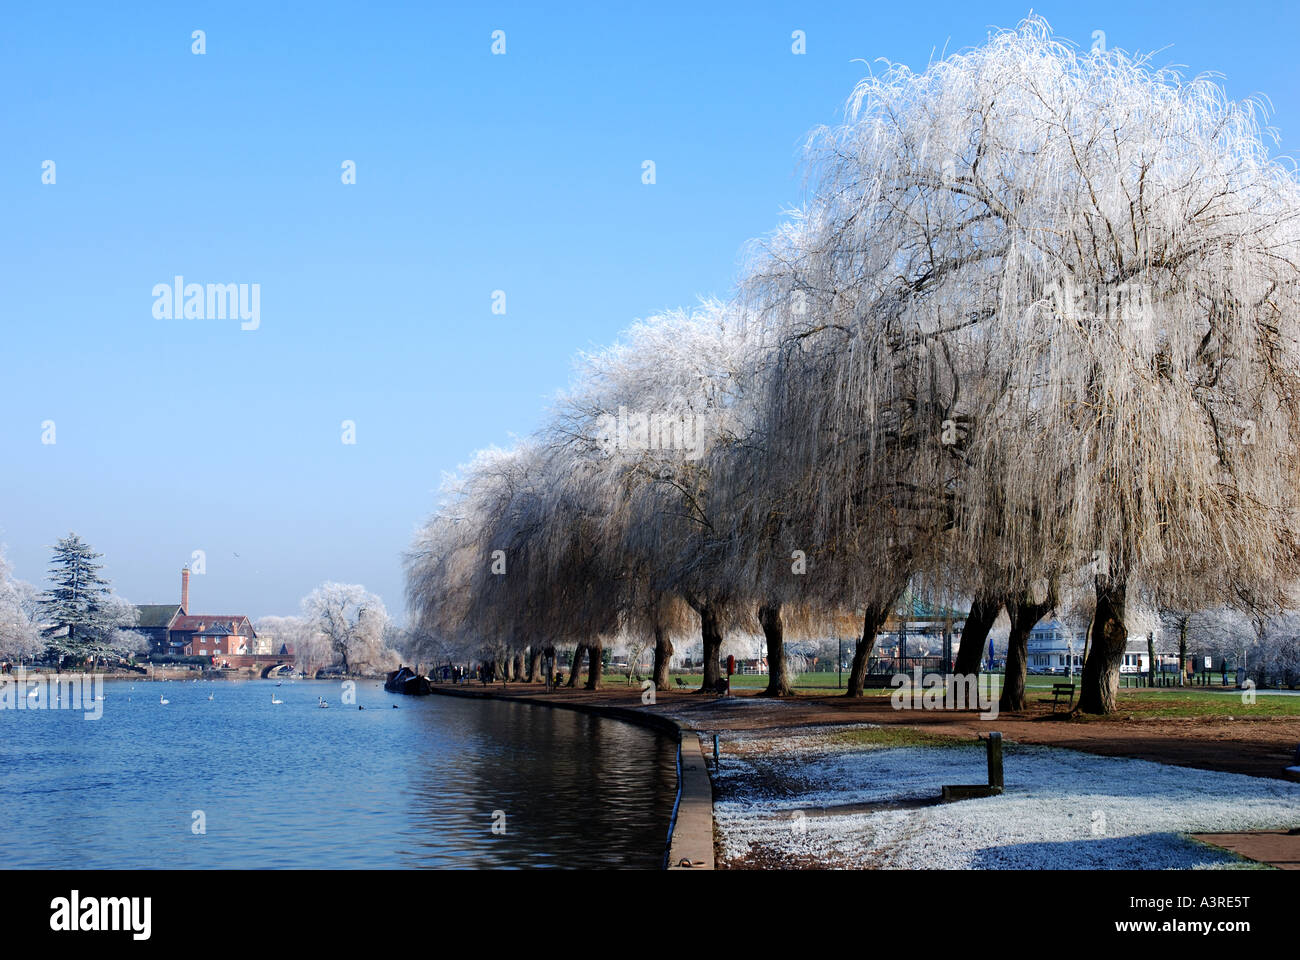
185,589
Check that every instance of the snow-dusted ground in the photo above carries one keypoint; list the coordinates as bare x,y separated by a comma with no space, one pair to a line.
1061,809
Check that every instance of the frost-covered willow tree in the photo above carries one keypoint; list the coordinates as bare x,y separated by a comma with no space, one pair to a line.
860,393
463,542
1042,317
656,414
352,621
1148,289
513,561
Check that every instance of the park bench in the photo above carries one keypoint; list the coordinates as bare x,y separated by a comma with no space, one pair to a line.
1060,690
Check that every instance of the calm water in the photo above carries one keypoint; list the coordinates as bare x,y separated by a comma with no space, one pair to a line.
292,785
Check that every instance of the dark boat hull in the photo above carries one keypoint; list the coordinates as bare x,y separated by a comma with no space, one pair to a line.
407,681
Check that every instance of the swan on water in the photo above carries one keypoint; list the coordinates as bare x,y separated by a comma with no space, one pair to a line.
273,700
163,700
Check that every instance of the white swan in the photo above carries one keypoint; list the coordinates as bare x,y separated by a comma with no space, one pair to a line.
209,698
320,702
273,700
163,700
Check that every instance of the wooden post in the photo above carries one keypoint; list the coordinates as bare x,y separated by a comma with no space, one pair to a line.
995,759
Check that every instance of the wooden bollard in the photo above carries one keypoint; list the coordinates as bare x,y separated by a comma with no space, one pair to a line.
968,791
995,759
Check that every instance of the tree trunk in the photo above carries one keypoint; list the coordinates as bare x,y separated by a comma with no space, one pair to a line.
663,654
778,683
711,634
1100,680
534,658
1151,658
1024,615
873,619
577,665
975,634
519,667
594,665
1182,652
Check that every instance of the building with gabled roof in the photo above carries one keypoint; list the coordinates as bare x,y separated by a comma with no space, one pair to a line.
172,629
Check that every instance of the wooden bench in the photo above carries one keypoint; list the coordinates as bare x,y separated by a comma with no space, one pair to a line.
1060,690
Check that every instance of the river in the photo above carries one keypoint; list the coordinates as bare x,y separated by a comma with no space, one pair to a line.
240,782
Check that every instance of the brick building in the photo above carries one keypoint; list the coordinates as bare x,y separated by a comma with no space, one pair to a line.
171,628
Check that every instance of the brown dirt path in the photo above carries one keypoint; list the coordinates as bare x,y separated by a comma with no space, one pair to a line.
1277,848
1260,747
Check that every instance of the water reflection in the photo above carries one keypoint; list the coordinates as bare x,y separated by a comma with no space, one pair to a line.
290,785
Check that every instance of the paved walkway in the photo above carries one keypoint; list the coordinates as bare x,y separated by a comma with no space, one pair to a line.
692,846
1277,848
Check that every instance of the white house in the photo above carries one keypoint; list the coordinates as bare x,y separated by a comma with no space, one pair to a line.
1052,647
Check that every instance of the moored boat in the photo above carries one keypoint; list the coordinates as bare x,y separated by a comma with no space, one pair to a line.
407,681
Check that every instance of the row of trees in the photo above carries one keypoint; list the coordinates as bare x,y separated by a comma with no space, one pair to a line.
1265,647
1031,344
79,619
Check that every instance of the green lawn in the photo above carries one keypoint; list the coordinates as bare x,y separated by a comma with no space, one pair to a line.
810,683
1196,702
1140,701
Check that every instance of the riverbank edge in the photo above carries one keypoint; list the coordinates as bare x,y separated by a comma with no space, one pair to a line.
690,838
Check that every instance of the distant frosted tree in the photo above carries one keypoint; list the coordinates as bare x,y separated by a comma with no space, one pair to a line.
1277,657
353,622
118,639
301,636
20,632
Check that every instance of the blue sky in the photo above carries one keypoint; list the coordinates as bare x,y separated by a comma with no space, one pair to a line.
475,173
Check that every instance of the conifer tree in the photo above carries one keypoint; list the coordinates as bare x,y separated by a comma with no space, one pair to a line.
77,608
